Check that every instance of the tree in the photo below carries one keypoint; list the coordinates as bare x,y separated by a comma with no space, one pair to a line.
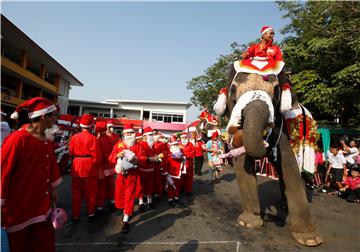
322,49
207,86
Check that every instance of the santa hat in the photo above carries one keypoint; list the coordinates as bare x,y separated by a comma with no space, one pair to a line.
286,101
265,29
147,131
110,123
184,135
36,107
220,105
86,121
128,128
215,134
211,120
173,140
100,127
138,135
3,113
204,114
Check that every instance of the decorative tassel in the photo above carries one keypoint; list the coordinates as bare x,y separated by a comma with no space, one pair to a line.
286,101
15,115
220,105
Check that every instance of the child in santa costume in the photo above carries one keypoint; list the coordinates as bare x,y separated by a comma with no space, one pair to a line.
29,176
126,181
214,148
86,168
106,186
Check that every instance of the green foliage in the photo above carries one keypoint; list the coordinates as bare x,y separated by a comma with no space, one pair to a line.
322,49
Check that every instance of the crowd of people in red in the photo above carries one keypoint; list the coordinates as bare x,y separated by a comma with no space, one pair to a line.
106,169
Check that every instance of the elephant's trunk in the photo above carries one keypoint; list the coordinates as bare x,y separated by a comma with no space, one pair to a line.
256,116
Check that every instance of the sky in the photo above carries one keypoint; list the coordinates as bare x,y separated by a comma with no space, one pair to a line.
140,50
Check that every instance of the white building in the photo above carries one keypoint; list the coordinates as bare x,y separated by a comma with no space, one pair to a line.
166,116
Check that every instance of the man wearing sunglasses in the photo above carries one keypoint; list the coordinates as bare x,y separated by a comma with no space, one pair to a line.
265,50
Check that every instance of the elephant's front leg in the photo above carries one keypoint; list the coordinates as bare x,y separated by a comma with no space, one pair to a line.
246,178
301,223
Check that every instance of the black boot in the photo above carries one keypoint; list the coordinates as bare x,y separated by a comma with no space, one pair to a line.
142,208
152,205
125,228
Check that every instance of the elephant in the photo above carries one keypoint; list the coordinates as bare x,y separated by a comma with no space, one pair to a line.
248,129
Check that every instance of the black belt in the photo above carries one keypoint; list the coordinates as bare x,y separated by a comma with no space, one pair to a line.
85,156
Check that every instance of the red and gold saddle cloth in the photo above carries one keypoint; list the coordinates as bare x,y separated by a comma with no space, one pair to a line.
259,65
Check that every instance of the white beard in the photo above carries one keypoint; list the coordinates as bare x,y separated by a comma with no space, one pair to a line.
174,149
156,138
184,141
129,140
150,141
50,133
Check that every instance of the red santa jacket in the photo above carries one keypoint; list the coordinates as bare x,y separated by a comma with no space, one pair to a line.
106,143
270,51
189,152
85,151
174,167
29,171
162,148
137,148
114,136
199,152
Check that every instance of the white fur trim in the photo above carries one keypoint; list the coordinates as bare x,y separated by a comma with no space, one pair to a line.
191,129
63,122
15,115
244,100
128,130
30,221
309,159
285,103
266,30
239,69
220,105
42,111
85,126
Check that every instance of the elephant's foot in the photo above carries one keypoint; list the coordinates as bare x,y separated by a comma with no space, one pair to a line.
310,239
250,220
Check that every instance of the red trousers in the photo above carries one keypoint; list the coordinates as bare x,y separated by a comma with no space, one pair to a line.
188,178
106,190
86,187
36,237
125,189
157,182
146,183
174,192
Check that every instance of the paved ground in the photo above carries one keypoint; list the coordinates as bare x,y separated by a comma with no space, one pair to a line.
208,223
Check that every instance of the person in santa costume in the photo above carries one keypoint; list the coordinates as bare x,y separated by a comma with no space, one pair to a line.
106,186
147,172
161,151
176,163
29,177
199,146
110,130
126,180
189,153
265,49
86,168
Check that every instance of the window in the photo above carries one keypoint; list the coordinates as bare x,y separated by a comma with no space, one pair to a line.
178,118
167,118
73,110
146,115
156,117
